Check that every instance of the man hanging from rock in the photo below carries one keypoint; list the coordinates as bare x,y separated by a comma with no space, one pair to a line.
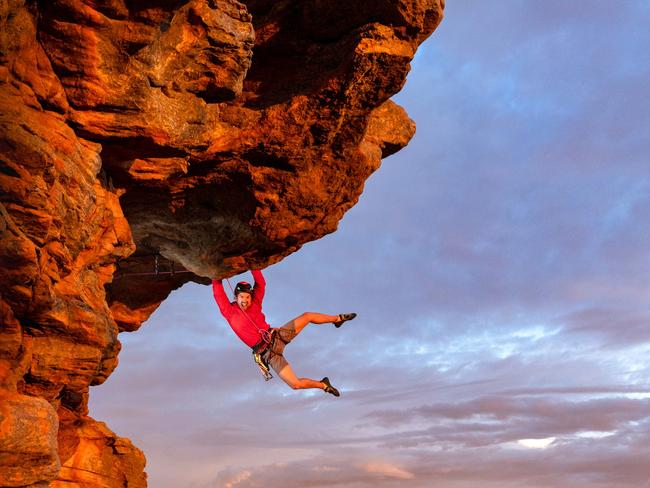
247,320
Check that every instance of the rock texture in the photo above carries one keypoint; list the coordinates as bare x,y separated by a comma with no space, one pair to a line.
193,138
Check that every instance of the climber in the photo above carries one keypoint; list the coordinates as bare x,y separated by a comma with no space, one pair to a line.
247,320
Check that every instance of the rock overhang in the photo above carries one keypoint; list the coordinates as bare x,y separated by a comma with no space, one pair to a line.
198,139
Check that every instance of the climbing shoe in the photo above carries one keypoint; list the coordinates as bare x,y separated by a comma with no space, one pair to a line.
344,317
329,388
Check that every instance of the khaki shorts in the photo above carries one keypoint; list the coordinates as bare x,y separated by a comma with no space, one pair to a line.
281,337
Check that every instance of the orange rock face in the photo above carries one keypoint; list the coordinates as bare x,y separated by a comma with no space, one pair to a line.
197,139
28,429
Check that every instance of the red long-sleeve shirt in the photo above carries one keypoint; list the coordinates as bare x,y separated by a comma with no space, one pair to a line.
247,325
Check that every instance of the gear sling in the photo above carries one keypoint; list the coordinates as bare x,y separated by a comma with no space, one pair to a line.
260,355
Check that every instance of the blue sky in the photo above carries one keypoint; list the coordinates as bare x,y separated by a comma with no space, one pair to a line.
500,268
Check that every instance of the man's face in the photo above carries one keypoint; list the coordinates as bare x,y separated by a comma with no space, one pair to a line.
244,300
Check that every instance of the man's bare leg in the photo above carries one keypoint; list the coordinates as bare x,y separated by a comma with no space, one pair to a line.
289,377
306,318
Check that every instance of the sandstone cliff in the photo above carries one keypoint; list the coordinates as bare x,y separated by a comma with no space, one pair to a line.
201,138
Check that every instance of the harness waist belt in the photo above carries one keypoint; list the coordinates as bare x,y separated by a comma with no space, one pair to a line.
262,345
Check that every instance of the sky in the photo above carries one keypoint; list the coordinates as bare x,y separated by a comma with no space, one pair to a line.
500,268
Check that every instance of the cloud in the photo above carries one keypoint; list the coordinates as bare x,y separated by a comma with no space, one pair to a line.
240,477
388,470
536,443
323,470
580,463
618,328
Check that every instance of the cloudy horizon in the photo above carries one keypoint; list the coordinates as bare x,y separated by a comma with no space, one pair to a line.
500,269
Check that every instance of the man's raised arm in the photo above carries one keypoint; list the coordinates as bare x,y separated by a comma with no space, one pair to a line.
260,285
221,297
